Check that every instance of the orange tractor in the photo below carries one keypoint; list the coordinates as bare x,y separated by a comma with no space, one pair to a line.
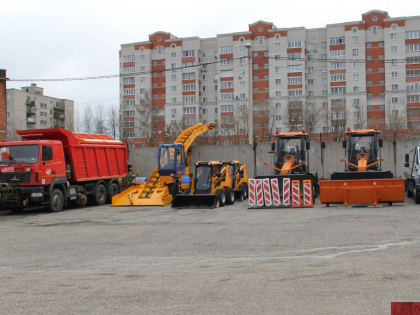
363,181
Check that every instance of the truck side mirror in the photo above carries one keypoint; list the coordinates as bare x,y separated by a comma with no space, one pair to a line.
273,146
308,145
407,158
381,143
322,145
344,144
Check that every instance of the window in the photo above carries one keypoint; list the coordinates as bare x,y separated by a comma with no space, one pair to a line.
381,82
412,47
226,85
295,92
256,78
47,153
278,81
242,96
412,35
355,77
413,60
294,56
394,74
226,50
413,86
355,52
395,87
42,105
393,62
394,100
278,93
337,53
129,58
338,78
381,45
188,76
277,45
129,80
188,53
188,87
381,70
324,45
355,39
310,69
128,92
294,69
356,101
338,65
294,80
173,66
142,69
189,98
355,89
294,44
369,57
413,73
394,49
226,96
128,70
369,83
226,108
188,64
173,77
324,56
338,90
310,81
190,110
393,36
173,88
324,92
413,98
355,64
336,40
173,99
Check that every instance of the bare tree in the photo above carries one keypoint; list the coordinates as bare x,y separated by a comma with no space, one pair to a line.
311,117
359,117
396,119
240,123
99,120
264,119
113,122
87,120
294,114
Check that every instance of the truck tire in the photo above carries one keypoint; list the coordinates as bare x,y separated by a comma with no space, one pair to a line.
230,196
114,189
56,201
221,197
100,194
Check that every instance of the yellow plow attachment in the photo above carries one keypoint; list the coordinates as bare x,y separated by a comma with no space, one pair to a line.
362,191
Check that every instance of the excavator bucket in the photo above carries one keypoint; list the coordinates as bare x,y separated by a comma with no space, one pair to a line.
195,201
362,191
148,193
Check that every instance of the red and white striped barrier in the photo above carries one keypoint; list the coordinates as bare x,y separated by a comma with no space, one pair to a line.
286,192
275,191
307,193
267,192
259,192
296,193
251,192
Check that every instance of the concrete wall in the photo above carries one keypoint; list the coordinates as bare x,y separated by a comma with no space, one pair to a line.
146,158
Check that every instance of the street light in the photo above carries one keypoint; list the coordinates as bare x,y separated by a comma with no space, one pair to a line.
250,101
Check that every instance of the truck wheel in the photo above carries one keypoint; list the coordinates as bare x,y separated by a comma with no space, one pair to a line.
221,196
56,201
100,194
114,189
230,196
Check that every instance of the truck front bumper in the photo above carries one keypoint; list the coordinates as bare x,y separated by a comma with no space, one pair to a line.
18,197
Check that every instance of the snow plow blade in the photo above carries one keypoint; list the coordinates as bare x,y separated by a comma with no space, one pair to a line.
362,191
134,196
195,201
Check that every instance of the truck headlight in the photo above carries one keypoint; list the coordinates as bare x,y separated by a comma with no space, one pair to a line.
36,195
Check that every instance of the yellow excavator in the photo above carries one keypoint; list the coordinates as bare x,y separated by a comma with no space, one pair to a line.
211,187
170,176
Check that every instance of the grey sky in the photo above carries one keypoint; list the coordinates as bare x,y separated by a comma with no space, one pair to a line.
55,39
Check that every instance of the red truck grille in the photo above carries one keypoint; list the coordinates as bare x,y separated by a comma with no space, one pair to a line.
15,178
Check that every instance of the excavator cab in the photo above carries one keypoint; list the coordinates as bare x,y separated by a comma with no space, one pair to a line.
171,159
291,152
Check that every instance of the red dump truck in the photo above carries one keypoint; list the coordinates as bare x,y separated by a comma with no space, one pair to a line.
57,167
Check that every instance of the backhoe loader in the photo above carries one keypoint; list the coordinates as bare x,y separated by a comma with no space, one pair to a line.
170,176
211,187
239,176
363,181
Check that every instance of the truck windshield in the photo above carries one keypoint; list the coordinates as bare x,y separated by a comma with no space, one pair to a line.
19,154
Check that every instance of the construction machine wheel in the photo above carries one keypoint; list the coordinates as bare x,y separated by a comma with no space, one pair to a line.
56,201
416,196
409,193
100,194
230,196
114,189
221,197
245,191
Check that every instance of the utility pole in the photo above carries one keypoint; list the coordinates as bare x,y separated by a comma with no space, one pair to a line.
250,100
3,106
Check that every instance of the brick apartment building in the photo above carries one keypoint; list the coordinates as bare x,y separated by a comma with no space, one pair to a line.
29,108
353,74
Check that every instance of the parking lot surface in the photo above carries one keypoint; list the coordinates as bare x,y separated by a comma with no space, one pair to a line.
233,260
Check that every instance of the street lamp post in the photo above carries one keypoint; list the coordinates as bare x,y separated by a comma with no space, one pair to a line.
250,100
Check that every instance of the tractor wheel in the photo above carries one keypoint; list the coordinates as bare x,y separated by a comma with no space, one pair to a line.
100,194
221,197
245,191
114,189
230,196
56,201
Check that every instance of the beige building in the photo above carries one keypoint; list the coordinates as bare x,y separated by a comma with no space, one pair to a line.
354,74
29,108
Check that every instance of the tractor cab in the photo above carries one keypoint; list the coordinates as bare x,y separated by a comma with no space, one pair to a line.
362,150
291,151
204,175
171,159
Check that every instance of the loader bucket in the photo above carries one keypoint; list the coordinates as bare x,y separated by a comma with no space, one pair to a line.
195,201
362,191
135,196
